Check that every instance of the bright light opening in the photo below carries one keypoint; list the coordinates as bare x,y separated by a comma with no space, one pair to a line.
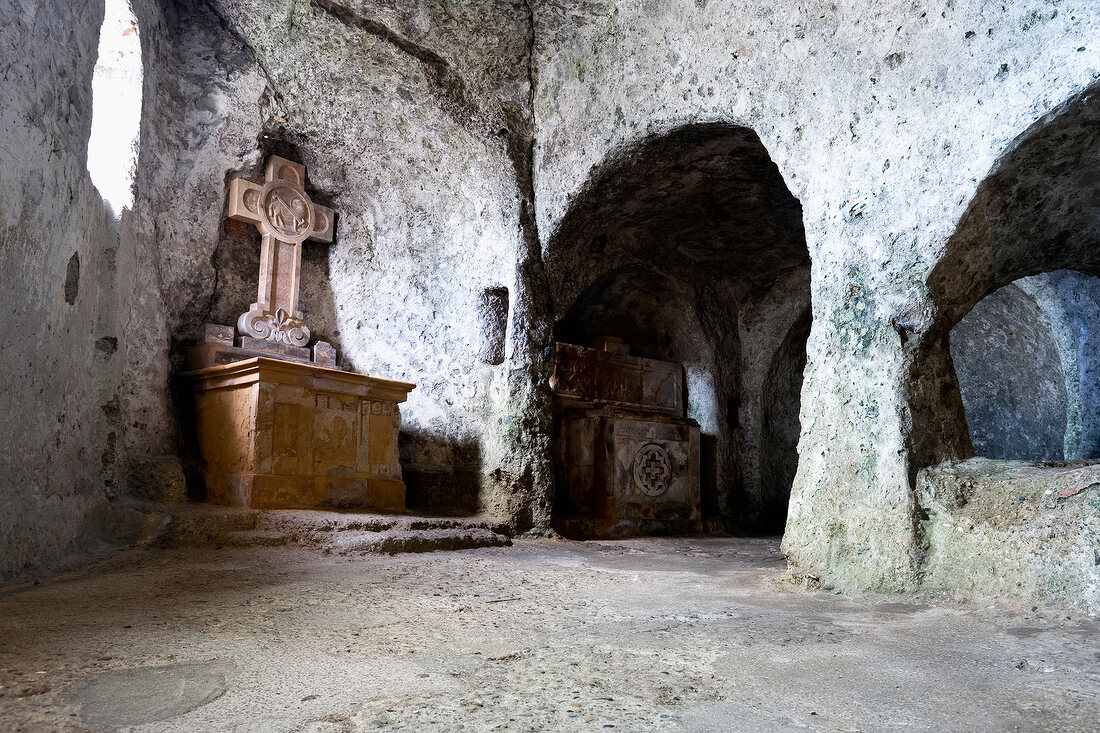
116,107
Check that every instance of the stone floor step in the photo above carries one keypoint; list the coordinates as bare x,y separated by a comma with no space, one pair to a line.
204,525
255,538
423,540
189,524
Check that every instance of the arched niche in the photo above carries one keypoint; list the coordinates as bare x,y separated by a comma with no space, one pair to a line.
1026,360
1037,212
689,246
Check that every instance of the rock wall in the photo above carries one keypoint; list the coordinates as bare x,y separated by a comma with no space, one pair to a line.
689,245
56,335
775,327
882,120
89,412
1070,302
1026,360
1012,529
413,126
417,153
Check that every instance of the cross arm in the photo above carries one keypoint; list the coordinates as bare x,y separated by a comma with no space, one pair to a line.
321,229
244,201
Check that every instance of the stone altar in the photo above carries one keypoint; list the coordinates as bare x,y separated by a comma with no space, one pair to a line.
628,457
279,426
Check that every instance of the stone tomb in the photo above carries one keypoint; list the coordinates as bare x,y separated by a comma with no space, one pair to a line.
279,426
628,458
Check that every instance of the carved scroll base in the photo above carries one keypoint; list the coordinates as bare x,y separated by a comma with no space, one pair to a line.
278,326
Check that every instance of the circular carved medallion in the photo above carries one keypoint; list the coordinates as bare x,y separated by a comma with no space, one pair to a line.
287,211
652,470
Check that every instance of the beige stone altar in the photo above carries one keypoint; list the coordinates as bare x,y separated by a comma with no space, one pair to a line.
277,434
628,459
279,426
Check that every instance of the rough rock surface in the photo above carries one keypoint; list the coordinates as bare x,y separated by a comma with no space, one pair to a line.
1027,358
689,246
1010,379
892,163
1015,529
644,635
1070,302
58,242
330,532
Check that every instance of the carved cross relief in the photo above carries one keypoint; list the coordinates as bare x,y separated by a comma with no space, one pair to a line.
286,218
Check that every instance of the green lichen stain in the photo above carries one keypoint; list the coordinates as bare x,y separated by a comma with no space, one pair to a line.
578,63
853,322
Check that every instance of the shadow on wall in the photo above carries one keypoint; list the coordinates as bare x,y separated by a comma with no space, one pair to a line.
441,476
782,401
1037,212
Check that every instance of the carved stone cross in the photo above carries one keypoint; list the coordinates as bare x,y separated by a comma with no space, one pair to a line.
286,217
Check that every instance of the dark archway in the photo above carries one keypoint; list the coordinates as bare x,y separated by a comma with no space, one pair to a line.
644,307
689,246
1037,212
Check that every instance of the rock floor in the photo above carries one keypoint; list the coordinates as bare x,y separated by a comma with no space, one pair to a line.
639,635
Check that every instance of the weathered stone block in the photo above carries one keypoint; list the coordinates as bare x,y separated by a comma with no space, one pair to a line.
156,477
279,351
627,473
628,459
615,377
324,354
1013,528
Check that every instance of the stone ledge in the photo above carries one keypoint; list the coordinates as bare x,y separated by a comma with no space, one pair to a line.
257,368
1013,528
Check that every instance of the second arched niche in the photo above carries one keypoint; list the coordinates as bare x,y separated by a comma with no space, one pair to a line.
687,249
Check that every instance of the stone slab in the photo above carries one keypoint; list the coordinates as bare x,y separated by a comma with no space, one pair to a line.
324,354
595,376
143,695
218,353
280,351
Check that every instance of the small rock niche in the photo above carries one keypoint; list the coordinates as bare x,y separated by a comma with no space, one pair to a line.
493,316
